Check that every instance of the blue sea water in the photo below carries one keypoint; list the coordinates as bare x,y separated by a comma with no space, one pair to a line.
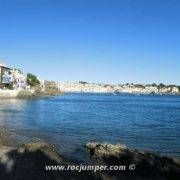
147,122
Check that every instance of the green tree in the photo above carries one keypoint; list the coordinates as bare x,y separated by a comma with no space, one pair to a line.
178,87
139,86
83,82
32,80
161,85
154,85
10,86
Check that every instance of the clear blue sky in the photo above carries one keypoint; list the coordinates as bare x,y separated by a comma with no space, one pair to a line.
108,41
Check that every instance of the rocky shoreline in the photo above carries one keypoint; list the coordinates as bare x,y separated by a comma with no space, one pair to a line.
28,161
147,165
25,94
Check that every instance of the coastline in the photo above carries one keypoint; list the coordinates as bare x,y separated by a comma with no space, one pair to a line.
30,158
24,94
116,93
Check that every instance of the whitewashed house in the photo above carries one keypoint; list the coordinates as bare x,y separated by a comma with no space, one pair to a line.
18,79
175,89
5,76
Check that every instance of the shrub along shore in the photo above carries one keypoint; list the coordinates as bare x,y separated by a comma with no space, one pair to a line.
35,92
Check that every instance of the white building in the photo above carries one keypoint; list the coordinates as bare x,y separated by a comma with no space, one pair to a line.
18,79
175,89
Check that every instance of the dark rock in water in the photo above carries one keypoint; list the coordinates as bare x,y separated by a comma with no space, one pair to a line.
147,165
101,149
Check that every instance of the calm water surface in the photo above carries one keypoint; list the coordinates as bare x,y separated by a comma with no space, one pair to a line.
150,122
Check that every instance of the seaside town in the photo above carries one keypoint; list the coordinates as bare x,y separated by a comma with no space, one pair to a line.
13,81
125,88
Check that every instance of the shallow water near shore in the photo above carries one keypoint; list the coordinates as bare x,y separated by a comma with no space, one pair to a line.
147,122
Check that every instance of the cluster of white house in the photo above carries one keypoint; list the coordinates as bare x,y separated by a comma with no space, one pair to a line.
146,89
100,88
10,76
82,87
